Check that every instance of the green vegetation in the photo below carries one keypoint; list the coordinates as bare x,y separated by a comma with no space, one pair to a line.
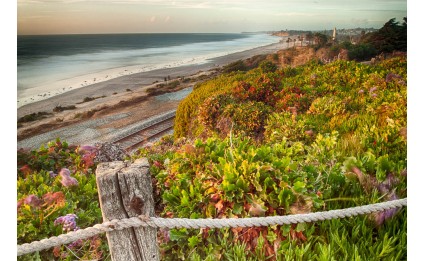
171,86
263,142
245,65
318,137
89,99
52,182
60,108
391,37
33,116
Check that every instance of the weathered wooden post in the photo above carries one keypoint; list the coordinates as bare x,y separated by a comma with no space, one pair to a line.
125,190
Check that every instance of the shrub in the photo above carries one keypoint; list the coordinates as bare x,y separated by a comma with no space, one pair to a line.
55,181
33,116
60,108
234,67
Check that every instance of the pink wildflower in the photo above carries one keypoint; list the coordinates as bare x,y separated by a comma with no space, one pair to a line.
19,204
66,178
373,89
87,149
165,234
361,91
68,181
65,172
32,200
392,76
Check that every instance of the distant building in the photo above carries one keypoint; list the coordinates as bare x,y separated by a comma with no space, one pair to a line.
334,34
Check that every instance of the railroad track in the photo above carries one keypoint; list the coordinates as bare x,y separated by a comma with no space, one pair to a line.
147,132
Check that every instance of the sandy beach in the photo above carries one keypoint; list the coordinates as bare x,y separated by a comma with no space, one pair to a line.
125,94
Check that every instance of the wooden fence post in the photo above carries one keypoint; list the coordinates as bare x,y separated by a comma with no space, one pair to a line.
125,190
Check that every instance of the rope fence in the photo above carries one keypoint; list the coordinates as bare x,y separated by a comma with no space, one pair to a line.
154,222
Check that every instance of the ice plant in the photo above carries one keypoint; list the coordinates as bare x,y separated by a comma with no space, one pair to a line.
68,222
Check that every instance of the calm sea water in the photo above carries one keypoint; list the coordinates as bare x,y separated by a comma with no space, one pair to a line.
44,60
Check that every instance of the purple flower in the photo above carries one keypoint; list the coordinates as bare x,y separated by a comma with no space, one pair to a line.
380,217
68,222
68,181
165,234
385,186
392,76
373,89
361,91
76,244
52,174
66,178
32,200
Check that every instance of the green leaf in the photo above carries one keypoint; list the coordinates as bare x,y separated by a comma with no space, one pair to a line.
193,241
299,187
178,234
237,208
300,227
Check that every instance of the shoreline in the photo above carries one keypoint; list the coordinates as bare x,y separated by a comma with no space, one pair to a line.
51,89
139,80
127,100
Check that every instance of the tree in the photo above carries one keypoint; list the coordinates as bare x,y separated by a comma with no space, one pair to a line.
392,36
301,39
320,39
309,37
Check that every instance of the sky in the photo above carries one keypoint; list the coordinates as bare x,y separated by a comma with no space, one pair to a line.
199,16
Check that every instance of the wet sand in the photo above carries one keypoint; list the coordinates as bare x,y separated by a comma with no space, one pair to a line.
138,80
126,94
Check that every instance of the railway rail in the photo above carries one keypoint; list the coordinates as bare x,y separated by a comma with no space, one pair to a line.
147,132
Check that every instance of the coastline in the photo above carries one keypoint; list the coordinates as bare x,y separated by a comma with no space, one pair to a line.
138,80
125,96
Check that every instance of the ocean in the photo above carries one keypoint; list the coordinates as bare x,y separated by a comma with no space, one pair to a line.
52,64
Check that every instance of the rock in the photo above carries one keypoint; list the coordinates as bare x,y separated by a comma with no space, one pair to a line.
108,152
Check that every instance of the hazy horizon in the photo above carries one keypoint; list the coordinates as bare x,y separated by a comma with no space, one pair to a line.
45,17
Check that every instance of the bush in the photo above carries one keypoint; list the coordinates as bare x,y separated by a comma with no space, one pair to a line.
33,117
52,182
267,67
60,108
234,67
362,52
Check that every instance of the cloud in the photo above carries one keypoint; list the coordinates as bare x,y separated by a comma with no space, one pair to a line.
167,19
295,14
152,20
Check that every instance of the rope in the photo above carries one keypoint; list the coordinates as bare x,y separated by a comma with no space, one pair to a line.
143,221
